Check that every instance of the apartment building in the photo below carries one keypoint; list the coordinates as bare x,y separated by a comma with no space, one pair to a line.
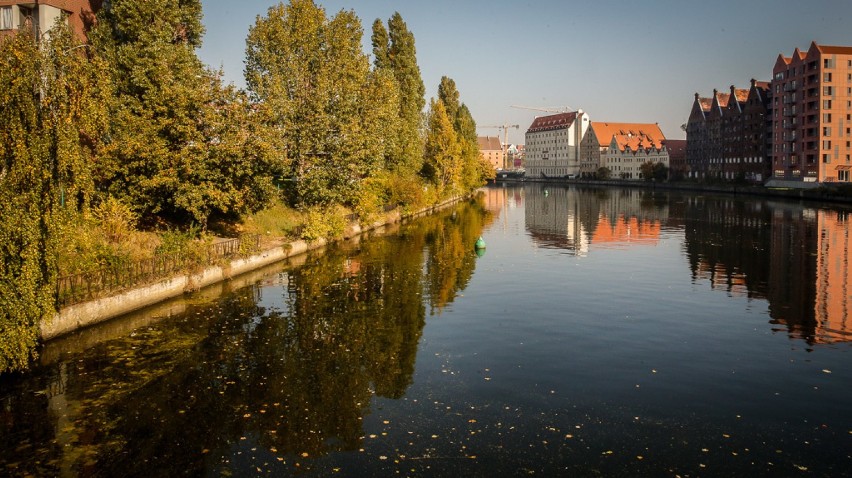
553,145
41,15
812,115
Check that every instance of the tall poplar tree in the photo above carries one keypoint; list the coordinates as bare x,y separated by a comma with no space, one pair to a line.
442,165
402,60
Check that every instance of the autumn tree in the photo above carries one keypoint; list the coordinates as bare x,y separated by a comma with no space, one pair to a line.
441,163
473,168
51,108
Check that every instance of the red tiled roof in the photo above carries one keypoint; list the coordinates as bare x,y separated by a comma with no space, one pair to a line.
706,103
558,121
605,131
489,143
742,94
674,145
834,50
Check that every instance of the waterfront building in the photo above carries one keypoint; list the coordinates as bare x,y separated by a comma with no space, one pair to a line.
812,115
727,135
677,157
492,151
41,15
629,149
553,145
597,140
698,138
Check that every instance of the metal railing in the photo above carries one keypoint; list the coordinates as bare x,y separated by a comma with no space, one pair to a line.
76,288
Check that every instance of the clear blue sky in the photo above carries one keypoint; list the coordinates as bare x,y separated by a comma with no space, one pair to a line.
620,61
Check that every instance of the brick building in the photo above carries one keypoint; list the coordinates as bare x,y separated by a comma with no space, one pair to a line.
40,15
677,157
727,134
812,115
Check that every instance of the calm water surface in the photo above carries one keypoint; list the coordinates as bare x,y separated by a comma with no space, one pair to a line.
604,332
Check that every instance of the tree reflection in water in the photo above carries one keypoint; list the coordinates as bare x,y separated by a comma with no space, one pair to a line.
231,380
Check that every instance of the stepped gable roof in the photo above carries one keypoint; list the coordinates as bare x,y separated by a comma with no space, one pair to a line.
723,99
489,143
552,122
605,131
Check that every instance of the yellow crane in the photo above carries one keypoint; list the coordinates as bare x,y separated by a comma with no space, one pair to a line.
505,127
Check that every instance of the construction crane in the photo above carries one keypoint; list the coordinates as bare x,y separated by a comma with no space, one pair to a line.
560,109
505,127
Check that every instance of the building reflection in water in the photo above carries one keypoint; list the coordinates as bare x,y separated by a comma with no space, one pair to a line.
810,266
578,220
794,257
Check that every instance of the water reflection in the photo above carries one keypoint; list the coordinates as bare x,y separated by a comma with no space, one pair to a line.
272,374
314,362
793,256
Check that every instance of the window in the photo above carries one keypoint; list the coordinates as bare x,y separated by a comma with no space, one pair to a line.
843,175
827,90
826,104
826,76
827,63
826,131
5,18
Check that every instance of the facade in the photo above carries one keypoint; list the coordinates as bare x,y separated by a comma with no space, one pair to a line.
492,151
698,138
553,145
677,157
812,115
629,149
596,142
727,134
40,15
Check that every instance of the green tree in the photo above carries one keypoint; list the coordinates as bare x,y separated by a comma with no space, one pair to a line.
166,156
603,173
403,63
311,71
654,171
51,108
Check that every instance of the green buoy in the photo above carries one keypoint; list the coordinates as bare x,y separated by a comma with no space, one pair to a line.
480,243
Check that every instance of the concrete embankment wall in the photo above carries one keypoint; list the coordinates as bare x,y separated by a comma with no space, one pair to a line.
75,317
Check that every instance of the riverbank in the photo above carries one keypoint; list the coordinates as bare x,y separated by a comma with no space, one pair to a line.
834,193
79,316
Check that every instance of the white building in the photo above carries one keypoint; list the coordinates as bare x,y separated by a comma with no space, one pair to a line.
553,145
628,152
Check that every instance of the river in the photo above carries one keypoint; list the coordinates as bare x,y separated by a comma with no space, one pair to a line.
602,332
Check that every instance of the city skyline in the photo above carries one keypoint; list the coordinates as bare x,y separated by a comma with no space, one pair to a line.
616,60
